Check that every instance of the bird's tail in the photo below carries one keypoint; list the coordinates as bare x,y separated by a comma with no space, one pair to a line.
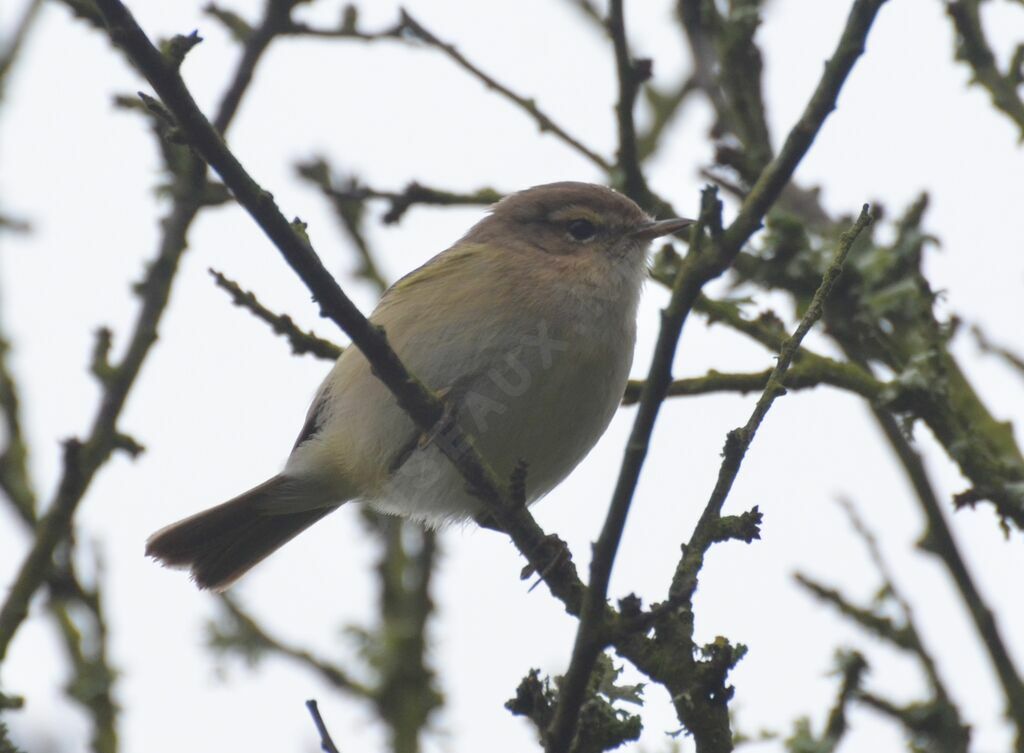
221,544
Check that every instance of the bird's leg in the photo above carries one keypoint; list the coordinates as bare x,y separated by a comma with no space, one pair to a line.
559,554
486,519
422,440
443,423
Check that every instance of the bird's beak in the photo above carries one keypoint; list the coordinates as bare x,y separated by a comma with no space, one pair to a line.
659,228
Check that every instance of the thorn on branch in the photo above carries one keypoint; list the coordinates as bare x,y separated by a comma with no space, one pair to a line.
643,69
100,364
745,527
177,47
127,443
165,124
299,227
631,606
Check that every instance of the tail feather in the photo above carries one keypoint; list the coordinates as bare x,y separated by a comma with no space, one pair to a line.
221,544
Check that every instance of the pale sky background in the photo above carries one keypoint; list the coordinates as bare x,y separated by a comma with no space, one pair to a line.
220,398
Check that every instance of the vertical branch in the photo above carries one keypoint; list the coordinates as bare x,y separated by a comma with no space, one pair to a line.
631,74
938,540
82,459
698,268
405,694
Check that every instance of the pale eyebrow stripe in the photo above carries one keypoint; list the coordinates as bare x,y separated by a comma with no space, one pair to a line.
576,213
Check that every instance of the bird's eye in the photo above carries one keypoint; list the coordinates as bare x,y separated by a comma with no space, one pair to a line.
581,230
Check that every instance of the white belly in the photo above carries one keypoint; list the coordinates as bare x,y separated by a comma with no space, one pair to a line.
545,403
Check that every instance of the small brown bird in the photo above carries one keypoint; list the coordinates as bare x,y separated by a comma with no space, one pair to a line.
526,326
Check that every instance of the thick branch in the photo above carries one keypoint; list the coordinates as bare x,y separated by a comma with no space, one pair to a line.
420,404
694,272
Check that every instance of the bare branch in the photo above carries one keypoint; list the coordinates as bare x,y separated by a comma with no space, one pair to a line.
807,372
544,122
83,459
244,635
11,47
344,191
987,346
631,74
973,49
326,743
15,482
425,408
938,540
699,267
282,324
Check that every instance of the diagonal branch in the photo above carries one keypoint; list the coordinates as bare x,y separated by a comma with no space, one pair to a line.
246,635
545,123
282,324
699,267
973,48
83,459
938,540
11,47
424,407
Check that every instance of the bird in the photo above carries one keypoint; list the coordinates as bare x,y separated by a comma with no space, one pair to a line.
525,328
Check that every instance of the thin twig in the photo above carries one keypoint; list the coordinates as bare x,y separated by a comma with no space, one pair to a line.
938,540
917,644
276,21
409,28
776,175
985,345
665,109
83,459
693,273
544,122
15,482
739,440
247,636
973,48
282,324
423,407
13,45
804,374
345,191
631,74
326,743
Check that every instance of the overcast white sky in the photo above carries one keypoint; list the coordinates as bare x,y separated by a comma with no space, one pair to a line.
220,399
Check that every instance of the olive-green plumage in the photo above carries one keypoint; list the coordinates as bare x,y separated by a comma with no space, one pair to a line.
526,326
